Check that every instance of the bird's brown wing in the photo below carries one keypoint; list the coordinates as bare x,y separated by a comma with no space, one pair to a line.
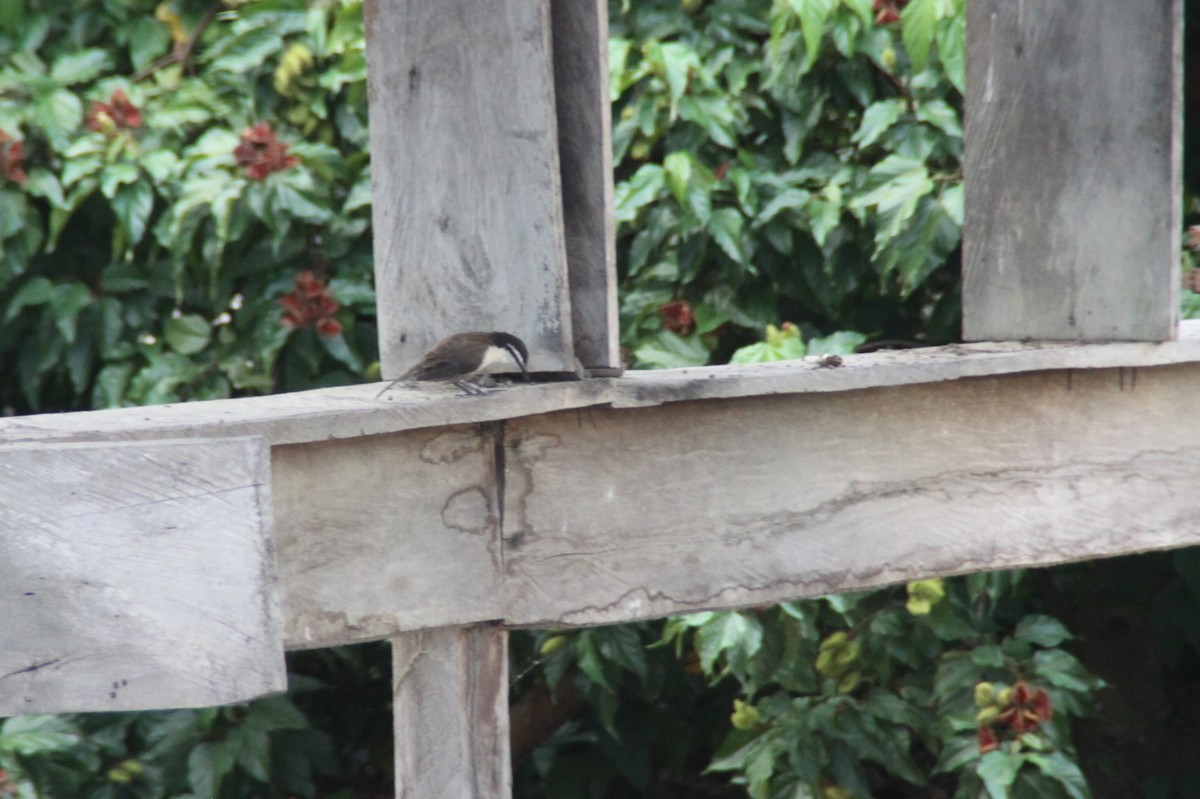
437,366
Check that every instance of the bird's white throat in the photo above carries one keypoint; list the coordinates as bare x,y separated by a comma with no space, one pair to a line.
493,356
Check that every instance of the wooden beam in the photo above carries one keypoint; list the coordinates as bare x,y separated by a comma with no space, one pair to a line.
468,209
1072,164
354,411
137,576
614,515
372,533
584,111
451,714
401,531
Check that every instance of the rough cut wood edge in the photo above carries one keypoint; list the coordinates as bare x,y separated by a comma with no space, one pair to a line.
464,163
450,714
1072,205
616,515
137,575
585,152
354,411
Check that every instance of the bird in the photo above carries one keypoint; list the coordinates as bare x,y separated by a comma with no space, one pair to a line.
463,356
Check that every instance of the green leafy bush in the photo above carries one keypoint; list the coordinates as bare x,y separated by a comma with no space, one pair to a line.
172,172
792,160
850,695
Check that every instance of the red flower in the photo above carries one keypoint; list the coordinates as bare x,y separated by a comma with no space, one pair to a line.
887,11
310,305
1028,709
261,153
117,114
12,158
987,741
678,316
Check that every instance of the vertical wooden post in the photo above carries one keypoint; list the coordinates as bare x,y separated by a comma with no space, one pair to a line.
468,208
1072,170
585,153
451,714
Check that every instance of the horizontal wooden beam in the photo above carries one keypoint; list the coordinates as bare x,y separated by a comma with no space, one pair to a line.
615,515
664,492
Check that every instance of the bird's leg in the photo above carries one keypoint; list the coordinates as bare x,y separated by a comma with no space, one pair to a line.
469,388
388,387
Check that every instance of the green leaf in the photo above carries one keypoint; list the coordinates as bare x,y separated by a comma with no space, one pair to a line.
1062,669
998,770
951,42
812,14
780,345
726,631
590,662
187,334
877,120
905,182
726,228
677,168
67,301
678,60
618,55
116,175
36,735
668,350
148,39
1066,772
622,646
80,65
44,183
917,22
842,342
275,713
253,747
789,198
863,8
245,51
133,205
59,113
630,196
340,350
1042,630
208,763
35,291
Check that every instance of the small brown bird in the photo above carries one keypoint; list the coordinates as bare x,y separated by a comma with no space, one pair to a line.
463,356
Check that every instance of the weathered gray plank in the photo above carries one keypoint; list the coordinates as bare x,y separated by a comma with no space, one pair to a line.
615,515
467,203
354,411
136,576
1072,168
451,714
585,153
387,533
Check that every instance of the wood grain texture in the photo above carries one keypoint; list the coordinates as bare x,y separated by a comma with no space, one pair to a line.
1072,165
617,515
387,533
467,212
585,153
137,576
451,714
355,411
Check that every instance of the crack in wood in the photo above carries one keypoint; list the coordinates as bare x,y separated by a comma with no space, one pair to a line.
33,667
